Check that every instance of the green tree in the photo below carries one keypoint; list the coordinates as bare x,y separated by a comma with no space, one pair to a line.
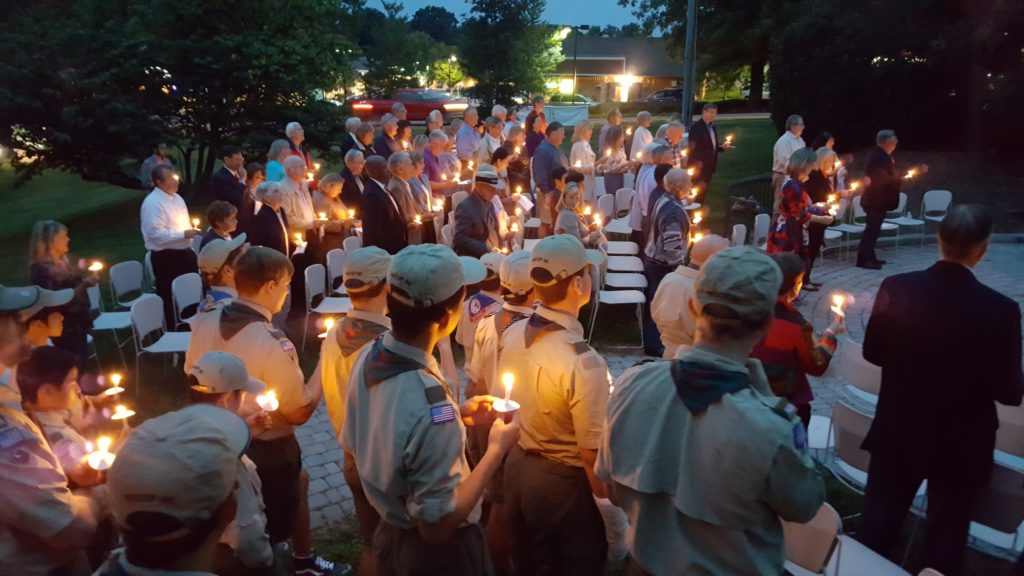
506,47
397,57
436,22
90,84
446,72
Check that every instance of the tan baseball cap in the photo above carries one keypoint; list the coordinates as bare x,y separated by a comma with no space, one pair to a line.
215,254
492,262
424,275
741,279
560,256
219,372
515,272
27,300
183,464
366,268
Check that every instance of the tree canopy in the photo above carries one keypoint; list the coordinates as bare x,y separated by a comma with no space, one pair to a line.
436,22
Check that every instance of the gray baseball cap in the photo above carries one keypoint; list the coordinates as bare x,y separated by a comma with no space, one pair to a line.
215,254
366,268
31,299
425,275
560,256
219,372
741,279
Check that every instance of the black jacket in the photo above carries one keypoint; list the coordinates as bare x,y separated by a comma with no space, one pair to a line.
265,230
382,144
351,195
226,187
348,142
818,186
701,154
383,225
884,191
475,224
949,348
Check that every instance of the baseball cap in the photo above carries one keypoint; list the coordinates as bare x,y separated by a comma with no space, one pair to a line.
486,174
183,464
218,372
424,275
515,272
741,279
560,256
31,299
215,254
366,268
492,262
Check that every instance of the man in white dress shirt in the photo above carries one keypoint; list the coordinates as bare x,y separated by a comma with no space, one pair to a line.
789,142
302,223
642,137
167,232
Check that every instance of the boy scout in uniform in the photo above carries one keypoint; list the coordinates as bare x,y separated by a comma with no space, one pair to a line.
697,451
217,265
562,387
365,280
480,305
406,432
44,528
244,328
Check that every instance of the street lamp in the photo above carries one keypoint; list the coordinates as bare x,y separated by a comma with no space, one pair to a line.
451,63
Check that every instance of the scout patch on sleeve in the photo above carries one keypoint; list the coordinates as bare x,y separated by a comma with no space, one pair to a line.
435,394
10,437
591,361
442,414
799,436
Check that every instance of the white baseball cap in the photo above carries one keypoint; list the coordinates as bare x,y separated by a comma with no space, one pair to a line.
215,254
425,275
515,272
219,372
492,262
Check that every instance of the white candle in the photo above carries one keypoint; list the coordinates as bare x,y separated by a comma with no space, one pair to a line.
115,386
96,266
837,304
328,324
351,213
100,459
195,223
322,216
417,219
268,402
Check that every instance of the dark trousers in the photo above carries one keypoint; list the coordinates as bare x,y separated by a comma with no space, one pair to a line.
168,265
890,492
555,525
702,184
872,228
278,464
405,553
654,274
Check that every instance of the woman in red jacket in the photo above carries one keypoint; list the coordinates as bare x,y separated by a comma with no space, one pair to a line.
790,350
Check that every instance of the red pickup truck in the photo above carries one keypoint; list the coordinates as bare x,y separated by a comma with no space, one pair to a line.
418,102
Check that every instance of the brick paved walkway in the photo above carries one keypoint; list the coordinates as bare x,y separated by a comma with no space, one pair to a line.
1003,269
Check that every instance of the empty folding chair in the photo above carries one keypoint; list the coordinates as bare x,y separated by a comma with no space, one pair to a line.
762,223
196,242
625,264
623,200
810,546
336,270
187,292
457,199
845,228
446,235
614,298
148,278
902,219
739,235
352,243
606,207
109,321
316,287
999,512
126,282
863,379
150,333
529,243
625,281
850,465
934,206
616,248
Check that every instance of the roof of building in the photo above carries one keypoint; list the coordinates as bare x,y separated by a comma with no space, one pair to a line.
639,56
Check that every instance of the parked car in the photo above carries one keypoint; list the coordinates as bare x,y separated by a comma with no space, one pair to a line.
418,102
571,99
672,96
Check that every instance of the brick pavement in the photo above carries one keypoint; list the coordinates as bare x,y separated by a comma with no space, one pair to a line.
1003,269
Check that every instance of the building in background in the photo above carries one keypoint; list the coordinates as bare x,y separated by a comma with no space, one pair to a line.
616,69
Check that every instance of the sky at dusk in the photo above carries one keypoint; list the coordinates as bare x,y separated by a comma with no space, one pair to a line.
570,12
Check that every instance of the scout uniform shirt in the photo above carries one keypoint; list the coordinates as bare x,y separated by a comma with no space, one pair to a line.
217,297
474,309
704,460
243,328
561,385
35,502
247,533
483,367
66,443
340,351
404,429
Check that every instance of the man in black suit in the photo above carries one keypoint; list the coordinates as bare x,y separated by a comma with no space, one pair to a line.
349,141
228,183
702,150
383,222
476,225
881,195
354,181
949,348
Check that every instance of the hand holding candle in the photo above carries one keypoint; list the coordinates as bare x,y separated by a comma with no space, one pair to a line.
122,413
96,266
506,407
102,458
838,300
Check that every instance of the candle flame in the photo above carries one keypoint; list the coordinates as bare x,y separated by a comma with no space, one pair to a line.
629,131
316,165
514,227
508,379
696,237
586,211
101,458
195,222
268,401
444,177
854,185
351,213
519,211
639,154
608,153
417,219
694,191
832,198
96,266
697,217
579,164
504,250
517,150
115,379
322,215
176,178
121,412
328,324
597,219
691,172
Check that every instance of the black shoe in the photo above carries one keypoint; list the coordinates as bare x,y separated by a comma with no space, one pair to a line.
882,262
815,284
869,265
658,353
810,287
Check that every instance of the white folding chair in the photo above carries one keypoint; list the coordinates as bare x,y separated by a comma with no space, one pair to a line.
336,270
618,226
148,278
446,235
934,206
125,282
999,512
147,315
1010,437
625,281
739,235
196,242
863,379
616,298
315,276
762,223
616,248
902,219
625,264
186,291
606,207
457,199
810,546
109,321
351,244
860,218
850,463
623,200
845,228
529,243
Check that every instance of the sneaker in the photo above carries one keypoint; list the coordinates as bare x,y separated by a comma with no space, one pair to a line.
316,565
810,288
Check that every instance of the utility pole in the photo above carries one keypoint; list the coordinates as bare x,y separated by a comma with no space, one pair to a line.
689,62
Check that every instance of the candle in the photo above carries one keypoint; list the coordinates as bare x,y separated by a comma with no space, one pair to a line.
322,215
438,206
504,250
578,164
683,152
96,266
911,173
597,220
837,304
122,413
696,237
832,198
195,223
268,402
514,227
728,139
833,210
470,164
586,211
309,176
351,213
519,189
854,186
517,150
100,459
328,324
691,172
697,217
608,153
837,164
417,219
694,191
519,211
298,239
176,178
629,131
639,154
316,166
115,386
506,406
444,177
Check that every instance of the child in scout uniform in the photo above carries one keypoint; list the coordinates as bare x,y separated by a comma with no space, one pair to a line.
220,379
674,427
406,433
173,491
44,528
561,384
480,305
365,281
217,265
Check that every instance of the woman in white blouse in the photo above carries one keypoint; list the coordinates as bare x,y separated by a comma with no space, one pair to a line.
615,163
583,160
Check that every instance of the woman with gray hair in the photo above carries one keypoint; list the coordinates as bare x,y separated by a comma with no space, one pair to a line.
269,227
582,158
796,212
279,150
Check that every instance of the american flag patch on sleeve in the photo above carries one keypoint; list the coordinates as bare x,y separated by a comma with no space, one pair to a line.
442,414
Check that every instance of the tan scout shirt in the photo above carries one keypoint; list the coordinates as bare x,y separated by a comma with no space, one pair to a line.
670,309
483,367
243,328
247,533
66,443
339,352
404,430
561,385
704,493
